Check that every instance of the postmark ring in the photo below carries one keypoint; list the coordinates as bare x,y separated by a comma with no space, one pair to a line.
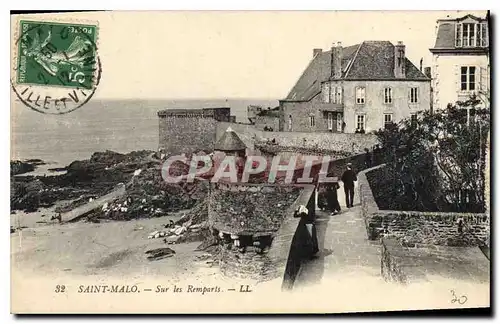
57,68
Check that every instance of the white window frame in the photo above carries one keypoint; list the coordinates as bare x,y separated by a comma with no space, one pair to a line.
468,75
326,93
312,121
469,34
363,117
388,95
413,96
391,115
474,35
329,117
360,95
337,98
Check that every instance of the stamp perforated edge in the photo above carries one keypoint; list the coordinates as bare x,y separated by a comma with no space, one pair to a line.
16,25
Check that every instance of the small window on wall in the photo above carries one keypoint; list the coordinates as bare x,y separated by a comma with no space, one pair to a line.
388,95
468,78
387,119
413,119
360,123
312,121
413,95
360,95
338,95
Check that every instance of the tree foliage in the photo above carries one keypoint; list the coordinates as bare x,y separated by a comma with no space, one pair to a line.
436,161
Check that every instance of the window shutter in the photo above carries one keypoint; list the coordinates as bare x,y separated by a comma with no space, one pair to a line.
341,95
483,77
457,77
478,34
477,78
458,35
474,31
484,35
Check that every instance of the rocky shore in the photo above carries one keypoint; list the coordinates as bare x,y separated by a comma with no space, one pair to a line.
21,167
147,195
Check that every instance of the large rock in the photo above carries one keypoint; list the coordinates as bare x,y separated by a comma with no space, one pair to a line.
19,167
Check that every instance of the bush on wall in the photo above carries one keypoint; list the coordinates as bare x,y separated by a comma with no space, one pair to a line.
435,162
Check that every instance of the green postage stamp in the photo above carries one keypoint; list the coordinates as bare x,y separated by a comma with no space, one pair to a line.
57,54
56,64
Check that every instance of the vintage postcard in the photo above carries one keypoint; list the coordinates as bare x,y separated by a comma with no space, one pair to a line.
239,162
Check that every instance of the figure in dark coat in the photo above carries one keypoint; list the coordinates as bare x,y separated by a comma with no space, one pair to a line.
368,159
322,200
348,179
377,154
332,198
308,228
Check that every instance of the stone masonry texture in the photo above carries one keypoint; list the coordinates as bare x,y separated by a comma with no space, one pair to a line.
247,209
406,265
186,134
414,228
265,210
339,142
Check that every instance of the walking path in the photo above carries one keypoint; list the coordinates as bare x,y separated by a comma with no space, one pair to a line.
344,245
346,275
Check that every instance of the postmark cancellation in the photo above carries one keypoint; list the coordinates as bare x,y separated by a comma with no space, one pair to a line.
55,67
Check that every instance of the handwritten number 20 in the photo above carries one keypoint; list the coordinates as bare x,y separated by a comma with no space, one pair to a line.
461,300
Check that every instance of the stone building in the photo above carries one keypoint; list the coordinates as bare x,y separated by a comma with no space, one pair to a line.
264,119
360,86
190,130
461,64
268,120
252,111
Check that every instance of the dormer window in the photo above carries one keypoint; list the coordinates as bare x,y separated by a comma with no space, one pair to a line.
471,34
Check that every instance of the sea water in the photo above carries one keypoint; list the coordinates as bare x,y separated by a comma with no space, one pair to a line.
118,125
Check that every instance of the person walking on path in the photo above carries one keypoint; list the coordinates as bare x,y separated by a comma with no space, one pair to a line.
377,154
332,198
348,178
368,159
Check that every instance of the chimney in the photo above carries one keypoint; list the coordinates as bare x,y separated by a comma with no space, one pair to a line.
427,72
421,62
399,61
317,51
336,61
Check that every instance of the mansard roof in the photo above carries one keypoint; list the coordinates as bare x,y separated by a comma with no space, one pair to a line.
446,35
370,60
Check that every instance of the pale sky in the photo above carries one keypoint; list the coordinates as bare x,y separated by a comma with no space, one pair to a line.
261,54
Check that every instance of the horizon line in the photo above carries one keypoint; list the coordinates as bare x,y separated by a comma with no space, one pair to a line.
200,98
